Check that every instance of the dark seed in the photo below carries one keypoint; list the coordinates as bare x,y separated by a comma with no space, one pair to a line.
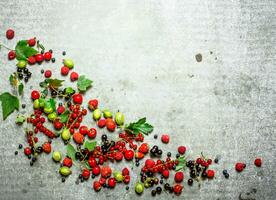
63,180
155,136
216,160
82,179
33,159
226,175
177,155
224,171
93,176
42,52
42,71
29,157
23,105
64,53
169,154
137,164
20,146
53,60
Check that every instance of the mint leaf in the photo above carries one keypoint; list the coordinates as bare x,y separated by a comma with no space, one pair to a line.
54,83
71,152
64,116
83,83
20,88
20,119
139,127
90,145
9,104
23,51
181,163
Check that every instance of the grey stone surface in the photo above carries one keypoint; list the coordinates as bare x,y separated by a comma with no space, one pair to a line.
141,55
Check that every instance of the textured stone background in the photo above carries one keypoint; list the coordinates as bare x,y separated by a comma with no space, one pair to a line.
141,55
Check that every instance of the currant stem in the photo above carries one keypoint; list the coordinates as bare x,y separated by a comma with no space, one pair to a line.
2,45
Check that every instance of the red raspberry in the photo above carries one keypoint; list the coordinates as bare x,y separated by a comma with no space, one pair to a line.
27,151
110,125
181,150
85,174
11,55
166,173
177,189
149,163
92,133
111,182
165,139
240,167
93,104
125,171
10,34
67,162
47,56
74,76
64,70
31,60
35,95
144,148
31,42
210,173
126,179
258,162
47,147
129,154
96,170
77,98
178,177
78,138
101,123
39,58
47,73
97,186
106,171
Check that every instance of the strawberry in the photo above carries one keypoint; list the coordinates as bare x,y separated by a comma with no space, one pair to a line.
139,155
78,138
240,167
47,147
178,177
144,148
67,162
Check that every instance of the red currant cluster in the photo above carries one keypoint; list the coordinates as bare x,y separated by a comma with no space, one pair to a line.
130,138
75,118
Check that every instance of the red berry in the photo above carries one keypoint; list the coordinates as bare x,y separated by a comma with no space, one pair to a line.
97,186
31,60
165,139
181,150
47,56
39,58
125,171
209,161
31,42
149,163
96,170
111,182
166,173
74,76
144,148
10,34
110,125
102,181
78,138
64,70
67,162
35,95
27,151
47,147
83,130
198,161
178,177
139,155
258,162
240,167
177,189
118,156
101,123
58,125
47,73
11,55
85,174
93,104
129,154
126,179
92,133
60,109
210,173
77,98
92,162
106,171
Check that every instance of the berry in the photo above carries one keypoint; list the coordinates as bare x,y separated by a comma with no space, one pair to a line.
60,109
78,138
181,150
210,173
165,139
77,98
126,179
149,163
178,177
166,173
92,133
190,181
11,55
39,58
47,73
35,95
97,186
111,182
102,181
125,171
31,42
47,56
92,162
258,162
85,174
153,193
83,130
27,151
31,60
144,148
139,155
119,156
47,147
129,154
58,125
239,167
177,189
67,162
110,125
106,171
101,123
96,170
10,34
74,76
64,70
93,104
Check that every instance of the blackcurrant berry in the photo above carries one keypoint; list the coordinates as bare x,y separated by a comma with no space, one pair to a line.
25,70
153,193
20,146
190,181
16,152
104,137
158,190
169,154
20,76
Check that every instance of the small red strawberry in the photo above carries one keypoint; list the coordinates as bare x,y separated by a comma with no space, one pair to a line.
178,177
67,162
258,162
240,167
165,138
181,150
47,147
210,173
78,138
144,148
93,104
85,174
97,186
139,155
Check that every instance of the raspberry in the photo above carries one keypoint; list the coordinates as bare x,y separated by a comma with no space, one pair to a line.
31,60
178,177
64,70
47,147
165,139
31,42
166,173
74,76
258,162
78,138
85,174
240,167
125,171
181,150
10,34
210,173
67,162
144,148
47,73
11,55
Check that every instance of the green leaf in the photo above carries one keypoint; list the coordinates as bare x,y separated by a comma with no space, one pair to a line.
84,83
181,163
87,165
52,103
13,80
23,51
9,104
20,88
139,127
54,83
45,92
71,152
69,90
90,145
64,116
20,119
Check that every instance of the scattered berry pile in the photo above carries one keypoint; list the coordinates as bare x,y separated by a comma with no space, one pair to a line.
58,113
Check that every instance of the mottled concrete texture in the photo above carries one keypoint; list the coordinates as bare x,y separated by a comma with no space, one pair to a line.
141,56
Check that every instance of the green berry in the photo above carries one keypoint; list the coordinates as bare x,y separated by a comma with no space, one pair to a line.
36,104
65,171
56,156
118,176
139,188
65,135
68,63
21,64
52,116
97,114
119,118
107,114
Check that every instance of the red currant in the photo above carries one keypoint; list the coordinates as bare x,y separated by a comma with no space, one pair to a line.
31,60
111,182
74,76
92,133
11,55
47,56
77,98
31,42
48,73
10,34
258,162
35,95
39,58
